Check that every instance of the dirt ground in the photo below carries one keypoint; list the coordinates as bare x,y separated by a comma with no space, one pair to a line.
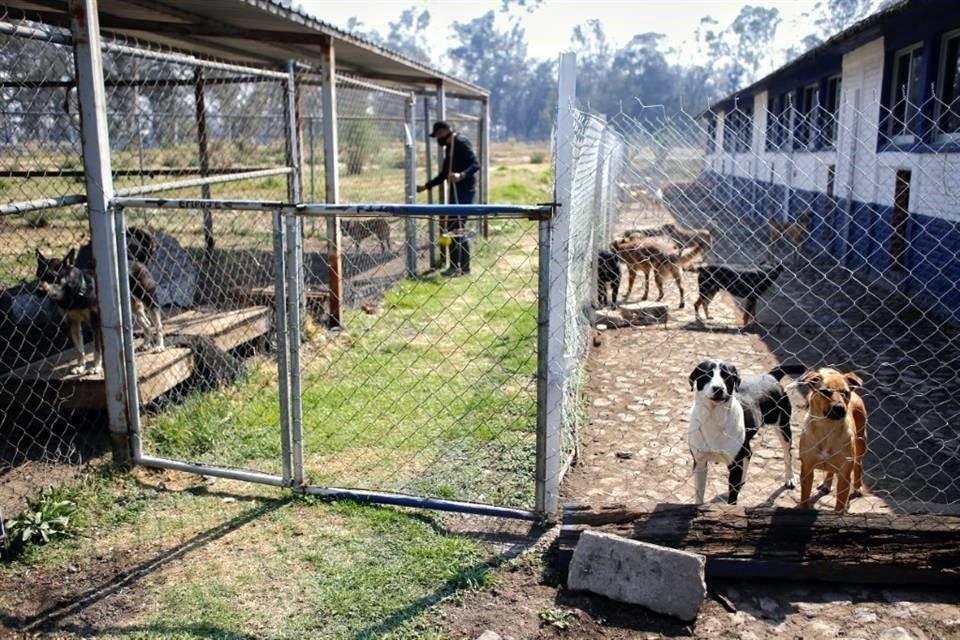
634,452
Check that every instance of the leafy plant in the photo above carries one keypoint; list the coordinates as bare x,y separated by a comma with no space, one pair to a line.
47,517
558,618
538,157
359,142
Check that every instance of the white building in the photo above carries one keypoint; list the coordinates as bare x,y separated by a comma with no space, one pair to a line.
862,132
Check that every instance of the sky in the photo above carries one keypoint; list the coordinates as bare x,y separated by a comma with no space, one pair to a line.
550,26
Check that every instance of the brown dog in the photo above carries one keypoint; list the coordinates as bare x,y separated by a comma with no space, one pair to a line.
683,237
658,255
834,435
795,233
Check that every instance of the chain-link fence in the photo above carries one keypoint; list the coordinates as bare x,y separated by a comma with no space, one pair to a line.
41,182
806,231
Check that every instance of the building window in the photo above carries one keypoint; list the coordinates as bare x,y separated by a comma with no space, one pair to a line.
905,94
948,109
805,131
711,133
738,130
831,112
778,121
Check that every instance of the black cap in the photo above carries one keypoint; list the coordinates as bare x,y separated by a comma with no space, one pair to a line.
439,124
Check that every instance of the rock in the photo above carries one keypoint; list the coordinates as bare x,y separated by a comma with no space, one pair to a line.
489,635
664,580
896,633
769,607
644,313
610,319
624,455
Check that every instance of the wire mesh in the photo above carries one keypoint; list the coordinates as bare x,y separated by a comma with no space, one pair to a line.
44,427
801,230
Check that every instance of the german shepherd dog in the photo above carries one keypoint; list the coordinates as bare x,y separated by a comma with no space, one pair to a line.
360,229
70,284
658,255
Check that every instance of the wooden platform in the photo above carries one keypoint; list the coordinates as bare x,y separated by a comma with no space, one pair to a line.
315,300
787,544
157,373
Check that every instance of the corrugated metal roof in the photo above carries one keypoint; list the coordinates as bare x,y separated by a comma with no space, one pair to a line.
256,32
872,21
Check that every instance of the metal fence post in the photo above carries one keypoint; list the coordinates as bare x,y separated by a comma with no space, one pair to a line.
85,28
131,384
283,343
428,157
410,151
553,276
485,162
331,174
294,269
202,145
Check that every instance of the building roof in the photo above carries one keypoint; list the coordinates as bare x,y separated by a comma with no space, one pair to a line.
846,40
261,33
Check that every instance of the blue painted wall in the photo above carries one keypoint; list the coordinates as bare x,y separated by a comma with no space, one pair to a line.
931,259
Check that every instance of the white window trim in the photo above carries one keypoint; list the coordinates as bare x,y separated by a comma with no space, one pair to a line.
838,104
942,136
901,138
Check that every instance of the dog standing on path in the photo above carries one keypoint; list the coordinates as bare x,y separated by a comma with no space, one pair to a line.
834,435
727,412
658,255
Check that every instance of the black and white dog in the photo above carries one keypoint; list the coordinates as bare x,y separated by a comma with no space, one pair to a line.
726,414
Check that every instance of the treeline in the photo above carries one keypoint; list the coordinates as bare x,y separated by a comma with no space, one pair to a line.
491,51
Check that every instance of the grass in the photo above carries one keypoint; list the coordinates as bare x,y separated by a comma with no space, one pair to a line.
435,395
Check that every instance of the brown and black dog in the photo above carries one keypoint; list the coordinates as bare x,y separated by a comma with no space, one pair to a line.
658,255
834,436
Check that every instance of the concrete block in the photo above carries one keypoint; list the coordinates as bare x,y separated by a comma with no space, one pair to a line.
663,580
489,635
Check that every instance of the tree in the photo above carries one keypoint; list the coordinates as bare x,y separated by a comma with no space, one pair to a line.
594,60
753,31
407,35
833,16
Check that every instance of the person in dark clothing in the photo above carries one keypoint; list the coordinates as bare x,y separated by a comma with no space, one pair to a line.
460,167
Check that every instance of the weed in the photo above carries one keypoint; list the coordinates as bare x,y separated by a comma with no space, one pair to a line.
558,617
46,518
538,157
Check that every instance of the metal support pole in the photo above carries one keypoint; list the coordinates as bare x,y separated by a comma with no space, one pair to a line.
485,162
328,70
294,272
553,276
200,102
410,150
283,343
85,29
444,193
432,222
132,385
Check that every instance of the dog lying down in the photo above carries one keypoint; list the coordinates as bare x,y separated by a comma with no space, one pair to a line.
727,412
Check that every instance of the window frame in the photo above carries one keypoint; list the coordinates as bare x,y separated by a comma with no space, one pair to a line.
908,135
804,134
939,134
831,112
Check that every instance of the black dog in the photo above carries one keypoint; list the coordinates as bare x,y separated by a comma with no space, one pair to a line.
608,274
747,285
763,402
69,283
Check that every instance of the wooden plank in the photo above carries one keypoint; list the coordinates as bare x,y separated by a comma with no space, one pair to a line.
228,329
315,300
790,544
157,373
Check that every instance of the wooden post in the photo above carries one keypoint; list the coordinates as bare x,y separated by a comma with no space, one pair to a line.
199,100
328,70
